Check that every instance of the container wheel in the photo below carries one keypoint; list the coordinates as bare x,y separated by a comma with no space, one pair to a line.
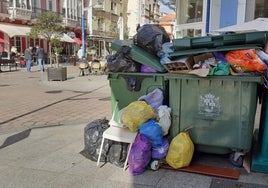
236,159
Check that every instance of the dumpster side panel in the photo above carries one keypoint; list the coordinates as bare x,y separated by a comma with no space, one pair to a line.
219,113
129,87
174,103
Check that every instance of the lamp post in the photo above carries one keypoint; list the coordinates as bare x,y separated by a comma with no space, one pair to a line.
89,8
83,30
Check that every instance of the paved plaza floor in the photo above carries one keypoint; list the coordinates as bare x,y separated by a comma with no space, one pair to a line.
42,134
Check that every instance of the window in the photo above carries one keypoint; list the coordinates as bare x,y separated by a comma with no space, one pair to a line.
191,11
113,6
261,9
50,5
191,32
100,24
15,41
28,4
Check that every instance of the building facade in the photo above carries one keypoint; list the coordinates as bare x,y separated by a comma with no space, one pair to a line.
141,12
17,18
97,18
104,18
168,21
200,17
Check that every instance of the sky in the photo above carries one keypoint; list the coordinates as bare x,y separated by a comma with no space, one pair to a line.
164,8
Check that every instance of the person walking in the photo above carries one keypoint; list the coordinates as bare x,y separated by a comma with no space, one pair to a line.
79,54
13,52
40,55
28,55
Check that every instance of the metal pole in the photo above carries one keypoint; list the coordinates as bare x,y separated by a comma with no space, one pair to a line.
83,30
90,17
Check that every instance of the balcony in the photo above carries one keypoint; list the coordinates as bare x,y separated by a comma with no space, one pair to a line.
99,6
68,22
19,13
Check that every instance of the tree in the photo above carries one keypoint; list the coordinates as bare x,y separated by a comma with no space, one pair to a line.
56,48
48,26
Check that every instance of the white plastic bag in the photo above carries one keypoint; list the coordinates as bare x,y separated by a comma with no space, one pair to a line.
164,118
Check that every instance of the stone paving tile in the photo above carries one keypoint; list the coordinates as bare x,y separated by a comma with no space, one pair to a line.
32,101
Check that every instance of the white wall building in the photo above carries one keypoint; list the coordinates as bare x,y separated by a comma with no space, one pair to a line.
141,12
200,17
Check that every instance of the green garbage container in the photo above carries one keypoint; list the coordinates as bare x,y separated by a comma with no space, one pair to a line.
129,87
219,111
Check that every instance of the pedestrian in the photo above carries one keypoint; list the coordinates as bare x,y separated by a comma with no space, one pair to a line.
79,54
28,55
40,57
1,50
13,52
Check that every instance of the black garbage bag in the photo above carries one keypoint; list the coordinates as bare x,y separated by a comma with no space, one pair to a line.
122,62
151,37
117,153
92,140
113,152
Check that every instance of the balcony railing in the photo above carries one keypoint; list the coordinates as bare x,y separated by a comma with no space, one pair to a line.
26,14
261,13
67,21
3,7
19,13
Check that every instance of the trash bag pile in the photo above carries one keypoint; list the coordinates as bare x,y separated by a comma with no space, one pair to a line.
142,53
151,119
152,51
113,152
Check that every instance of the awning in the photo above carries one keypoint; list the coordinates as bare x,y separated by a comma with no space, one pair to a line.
259,24
15,30
66,38
78,41
2,40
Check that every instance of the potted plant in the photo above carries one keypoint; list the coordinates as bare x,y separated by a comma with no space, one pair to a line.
92,50
56,72
49,27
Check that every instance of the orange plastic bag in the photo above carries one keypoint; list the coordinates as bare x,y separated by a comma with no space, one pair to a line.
245,60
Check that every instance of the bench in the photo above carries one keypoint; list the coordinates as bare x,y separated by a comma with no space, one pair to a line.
10,63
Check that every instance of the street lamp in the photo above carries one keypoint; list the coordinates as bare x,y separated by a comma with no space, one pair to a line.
83,22
83,30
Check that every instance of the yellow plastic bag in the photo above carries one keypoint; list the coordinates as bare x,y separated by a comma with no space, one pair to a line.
135,114
180,151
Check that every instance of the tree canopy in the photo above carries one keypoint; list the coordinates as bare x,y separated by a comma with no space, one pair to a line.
47,25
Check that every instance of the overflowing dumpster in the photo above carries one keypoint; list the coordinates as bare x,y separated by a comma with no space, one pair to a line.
211,84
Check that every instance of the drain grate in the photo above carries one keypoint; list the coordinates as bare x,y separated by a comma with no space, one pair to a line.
222,183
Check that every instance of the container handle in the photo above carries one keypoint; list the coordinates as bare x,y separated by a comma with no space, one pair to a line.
110,77
134,82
